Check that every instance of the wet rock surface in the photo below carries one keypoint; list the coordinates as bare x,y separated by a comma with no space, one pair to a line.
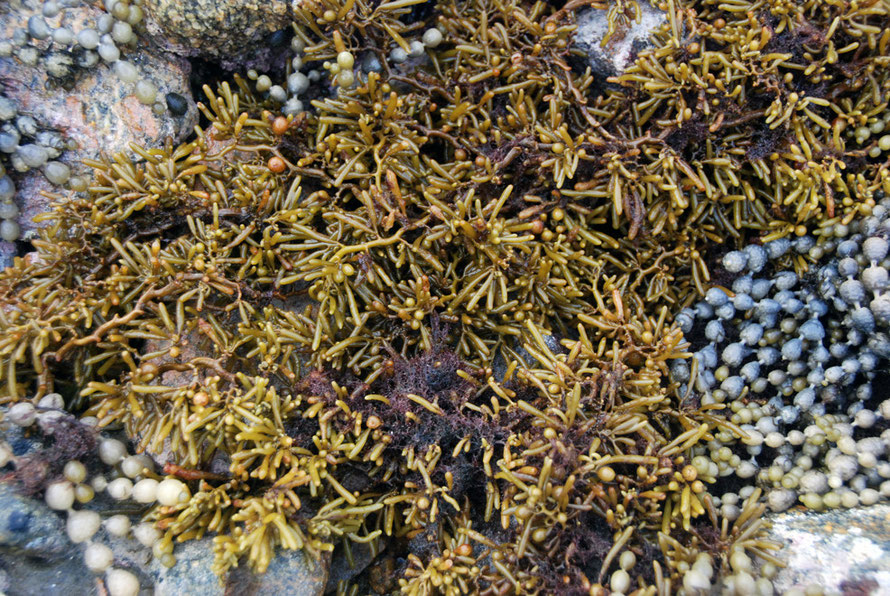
841,551
342,571
291,572
7,254
29,527
24,576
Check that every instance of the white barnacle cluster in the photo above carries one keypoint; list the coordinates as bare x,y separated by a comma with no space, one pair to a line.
52,42
25,145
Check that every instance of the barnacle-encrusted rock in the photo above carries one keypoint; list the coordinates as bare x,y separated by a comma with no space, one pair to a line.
95,111
224,30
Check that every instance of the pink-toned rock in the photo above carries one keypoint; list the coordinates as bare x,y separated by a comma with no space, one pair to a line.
95,108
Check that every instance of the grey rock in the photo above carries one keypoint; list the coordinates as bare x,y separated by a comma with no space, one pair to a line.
341,570
291,572
26,576
837,550
29,527
618,54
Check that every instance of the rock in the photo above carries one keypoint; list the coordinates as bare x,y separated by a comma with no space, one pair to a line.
20,442
95,109
29,527
843,551
219,29
7,254
291,572
625,43
340,569
26,576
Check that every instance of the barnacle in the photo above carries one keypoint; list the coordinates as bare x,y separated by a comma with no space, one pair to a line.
444,308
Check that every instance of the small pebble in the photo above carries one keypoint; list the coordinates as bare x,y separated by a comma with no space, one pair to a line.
177,104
